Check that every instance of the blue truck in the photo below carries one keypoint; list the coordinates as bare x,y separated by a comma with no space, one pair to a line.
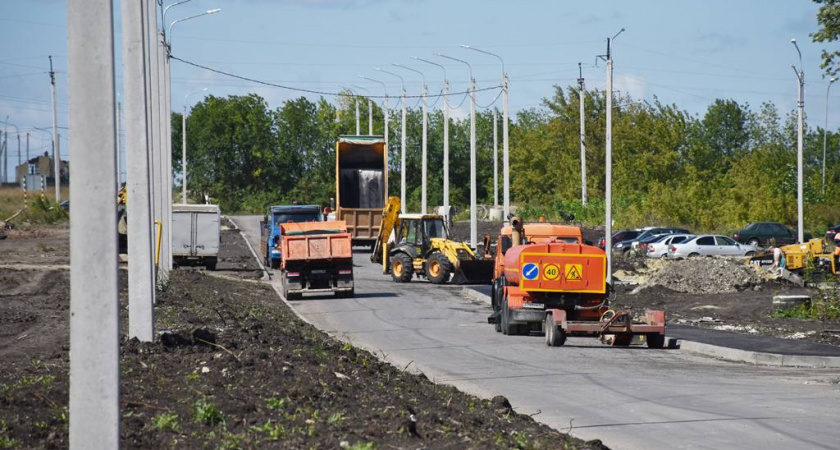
270,228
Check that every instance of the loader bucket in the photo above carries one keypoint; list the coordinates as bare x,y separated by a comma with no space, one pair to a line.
476,271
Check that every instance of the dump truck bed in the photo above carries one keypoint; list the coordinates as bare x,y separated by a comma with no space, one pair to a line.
315,241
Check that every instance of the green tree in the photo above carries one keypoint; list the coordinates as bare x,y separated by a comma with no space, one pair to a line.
828,19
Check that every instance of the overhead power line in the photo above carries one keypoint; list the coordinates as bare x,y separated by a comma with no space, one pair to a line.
310,91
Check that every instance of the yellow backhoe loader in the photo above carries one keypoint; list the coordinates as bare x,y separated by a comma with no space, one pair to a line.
421,246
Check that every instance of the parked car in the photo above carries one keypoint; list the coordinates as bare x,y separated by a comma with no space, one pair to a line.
831,233
624,247
658,248
709,245
619,236
761,234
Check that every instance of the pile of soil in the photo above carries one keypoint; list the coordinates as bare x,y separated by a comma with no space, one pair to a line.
705,276
235,368
235,257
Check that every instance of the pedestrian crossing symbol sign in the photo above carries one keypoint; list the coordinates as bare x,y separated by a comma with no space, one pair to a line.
573,272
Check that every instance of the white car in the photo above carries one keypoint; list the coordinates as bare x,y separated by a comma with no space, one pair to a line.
659,247
709,245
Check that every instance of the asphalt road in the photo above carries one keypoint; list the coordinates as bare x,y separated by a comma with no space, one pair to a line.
631,398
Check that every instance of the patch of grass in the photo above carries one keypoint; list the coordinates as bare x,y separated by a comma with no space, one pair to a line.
362,446
5,440
335,418
274,431
207,413
827,308
275,403
166,421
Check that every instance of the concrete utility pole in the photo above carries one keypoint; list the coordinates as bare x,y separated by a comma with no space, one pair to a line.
56,144
119,144
445,132
27,153
825,131
800,75
608,193
424,140
495,157
505,130
582,100
155,124
94,296
164,154
402,138
141,265
184,147
358,125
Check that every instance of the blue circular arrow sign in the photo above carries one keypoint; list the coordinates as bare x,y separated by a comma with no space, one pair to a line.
530,271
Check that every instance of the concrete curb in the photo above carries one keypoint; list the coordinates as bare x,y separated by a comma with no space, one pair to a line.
724,353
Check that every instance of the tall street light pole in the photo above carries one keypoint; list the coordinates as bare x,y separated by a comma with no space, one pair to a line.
94,404
402,138
608,193
384,111
505,129
184,147
473,196
825,131
800,76
445,133
370,108
582,101
56,145
424,141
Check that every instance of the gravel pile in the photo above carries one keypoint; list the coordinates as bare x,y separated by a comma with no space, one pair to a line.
705,276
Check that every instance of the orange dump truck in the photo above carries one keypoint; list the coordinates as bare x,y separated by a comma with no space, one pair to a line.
546,279
316,257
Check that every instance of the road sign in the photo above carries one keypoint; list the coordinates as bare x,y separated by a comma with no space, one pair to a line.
551,272
530,271
573,272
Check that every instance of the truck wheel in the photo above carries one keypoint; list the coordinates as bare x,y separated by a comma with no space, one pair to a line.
438,268
401,268
508,329
655,340
554,335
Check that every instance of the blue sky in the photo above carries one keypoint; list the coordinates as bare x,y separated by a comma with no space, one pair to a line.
686,52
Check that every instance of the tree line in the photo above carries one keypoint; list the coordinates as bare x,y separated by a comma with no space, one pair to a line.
716,171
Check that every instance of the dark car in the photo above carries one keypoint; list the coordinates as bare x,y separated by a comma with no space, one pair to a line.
619,236
624,247
831,233
765,233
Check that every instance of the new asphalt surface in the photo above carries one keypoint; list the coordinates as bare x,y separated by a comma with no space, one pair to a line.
631,398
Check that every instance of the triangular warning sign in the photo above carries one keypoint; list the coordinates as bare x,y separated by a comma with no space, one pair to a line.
573,272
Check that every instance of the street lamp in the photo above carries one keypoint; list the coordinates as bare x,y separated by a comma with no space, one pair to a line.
505,134
473,199
385,109
6,150
424,141
184,146
370,108
445,131
825,130
800,76
402,137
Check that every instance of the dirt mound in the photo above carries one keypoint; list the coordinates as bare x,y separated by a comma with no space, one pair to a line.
705,276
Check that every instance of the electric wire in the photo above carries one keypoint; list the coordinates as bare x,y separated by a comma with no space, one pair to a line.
291,88
491,103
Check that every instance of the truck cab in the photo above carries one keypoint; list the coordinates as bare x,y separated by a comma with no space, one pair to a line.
270,233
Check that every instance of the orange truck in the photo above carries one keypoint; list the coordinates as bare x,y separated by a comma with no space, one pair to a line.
546,279
317,257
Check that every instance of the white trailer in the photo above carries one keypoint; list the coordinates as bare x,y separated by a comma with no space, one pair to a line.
195,235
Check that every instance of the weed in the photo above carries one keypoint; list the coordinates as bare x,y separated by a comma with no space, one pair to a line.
41,425
275,403
5,440
166,421
521,440
346,347
319,352
232,441
335,418
193,376
275,432
819,308
363,446
207,413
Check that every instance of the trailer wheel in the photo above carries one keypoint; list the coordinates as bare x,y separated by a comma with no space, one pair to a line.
554,335
438,268
401,268
655,340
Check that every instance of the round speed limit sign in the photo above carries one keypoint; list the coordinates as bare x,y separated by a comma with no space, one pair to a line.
551,272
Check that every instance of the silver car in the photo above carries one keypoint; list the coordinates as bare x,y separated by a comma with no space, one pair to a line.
709,245
659,248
